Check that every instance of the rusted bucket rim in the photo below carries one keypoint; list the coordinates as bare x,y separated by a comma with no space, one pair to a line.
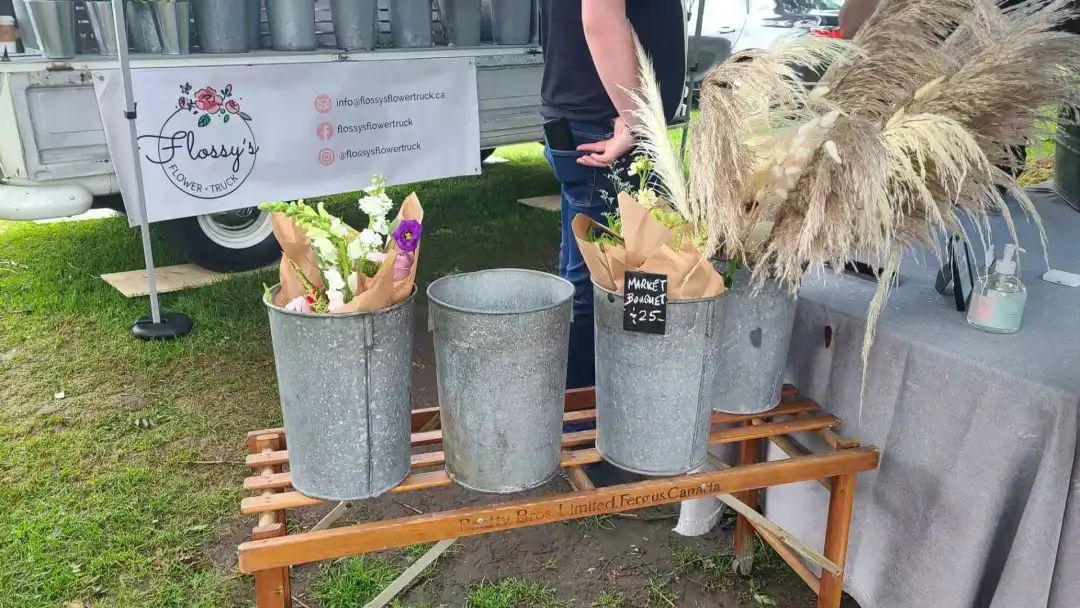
332,315
559,301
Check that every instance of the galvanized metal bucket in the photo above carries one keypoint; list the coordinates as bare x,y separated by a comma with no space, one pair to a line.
410,23
345,383
142,30
292,25
511,21
173,20
356,23
654,392
222,25
254,24
100,13
54,25
500,347
461,21
26,26
757,335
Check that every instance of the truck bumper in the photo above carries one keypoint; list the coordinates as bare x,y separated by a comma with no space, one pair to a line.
43,202
29,200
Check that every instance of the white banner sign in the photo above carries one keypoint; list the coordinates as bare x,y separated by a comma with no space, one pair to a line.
221,138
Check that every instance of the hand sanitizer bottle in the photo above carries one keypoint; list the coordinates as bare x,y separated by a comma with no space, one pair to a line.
997,303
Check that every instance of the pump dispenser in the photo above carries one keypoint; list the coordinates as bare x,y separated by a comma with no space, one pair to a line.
997,303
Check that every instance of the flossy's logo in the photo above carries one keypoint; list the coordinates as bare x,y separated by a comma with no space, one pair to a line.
206,147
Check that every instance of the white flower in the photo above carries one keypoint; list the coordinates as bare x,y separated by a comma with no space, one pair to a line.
324,248
647,198
334,282
376,205
354,281
338,228
355,250
371,239
380,225
336,299
377,257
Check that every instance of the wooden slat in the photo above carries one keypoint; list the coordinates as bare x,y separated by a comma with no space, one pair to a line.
570,458
582,400
579,480
422,416
364,538
569,439
579,399
792,448
791,558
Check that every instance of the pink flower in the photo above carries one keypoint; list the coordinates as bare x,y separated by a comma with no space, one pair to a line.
183,103
208,100
299,304
232,106
402,265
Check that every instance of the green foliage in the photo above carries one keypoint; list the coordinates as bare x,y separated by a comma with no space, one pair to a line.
610,599
511,593
95,509
355,581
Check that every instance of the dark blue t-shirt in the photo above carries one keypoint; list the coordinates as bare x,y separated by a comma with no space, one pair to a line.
572,89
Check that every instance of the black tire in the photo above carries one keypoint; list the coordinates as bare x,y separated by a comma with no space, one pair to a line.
485,153
226,242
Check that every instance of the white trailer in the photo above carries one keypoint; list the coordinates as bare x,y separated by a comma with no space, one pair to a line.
54,161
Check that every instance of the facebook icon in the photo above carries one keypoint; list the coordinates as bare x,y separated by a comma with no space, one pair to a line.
325,131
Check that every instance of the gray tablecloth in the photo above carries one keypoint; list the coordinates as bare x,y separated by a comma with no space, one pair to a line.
977,499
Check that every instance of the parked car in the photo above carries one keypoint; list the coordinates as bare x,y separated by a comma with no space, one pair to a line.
730,26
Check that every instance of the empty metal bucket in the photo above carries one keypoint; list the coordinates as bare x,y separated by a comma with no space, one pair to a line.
54,25
222,25
511,21
254,24
757,334
26,26
173,21
142,31
345,383
356,23
654,392
461,21
100,13
292,25
500,350
410,23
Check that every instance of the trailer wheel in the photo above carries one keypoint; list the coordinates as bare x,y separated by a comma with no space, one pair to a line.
231,241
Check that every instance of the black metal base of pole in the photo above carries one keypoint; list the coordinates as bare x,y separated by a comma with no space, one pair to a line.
173,325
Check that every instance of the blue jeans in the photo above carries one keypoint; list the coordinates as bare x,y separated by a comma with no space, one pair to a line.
590,191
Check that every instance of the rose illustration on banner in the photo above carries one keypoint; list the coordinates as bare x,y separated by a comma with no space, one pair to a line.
200,151
211,103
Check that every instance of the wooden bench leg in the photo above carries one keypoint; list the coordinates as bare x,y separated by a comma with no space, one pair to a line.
841,499
749,453
273,587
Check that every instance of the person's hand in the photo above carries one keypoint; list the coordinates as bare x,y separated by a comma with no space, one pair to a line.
603,153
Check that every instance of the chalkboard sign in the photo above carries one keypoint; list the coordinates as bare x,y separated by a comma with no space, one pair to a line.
645,303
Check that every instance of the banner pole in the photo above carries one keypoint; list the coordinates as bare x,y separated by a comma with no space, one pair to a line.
157,326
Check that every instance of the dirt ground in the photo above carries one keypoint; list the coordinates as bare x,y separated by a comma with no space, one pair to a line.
637,556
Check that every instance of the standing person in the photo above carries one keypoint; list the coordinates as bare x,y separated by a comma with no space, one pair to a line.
589,63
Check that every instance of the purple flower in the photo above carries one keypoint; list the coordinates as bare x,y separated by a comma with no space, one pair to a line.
408,234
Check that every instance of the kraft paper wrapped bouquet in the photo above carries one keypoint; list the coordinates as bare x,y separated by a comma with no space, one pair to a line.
646,235
329,267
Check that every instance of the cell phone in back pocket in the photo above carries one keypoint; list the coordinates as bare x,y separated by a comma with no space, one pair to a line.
558,136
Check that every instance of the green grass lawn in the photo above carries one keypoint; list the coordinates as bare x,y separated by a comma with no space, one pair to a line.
116,494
